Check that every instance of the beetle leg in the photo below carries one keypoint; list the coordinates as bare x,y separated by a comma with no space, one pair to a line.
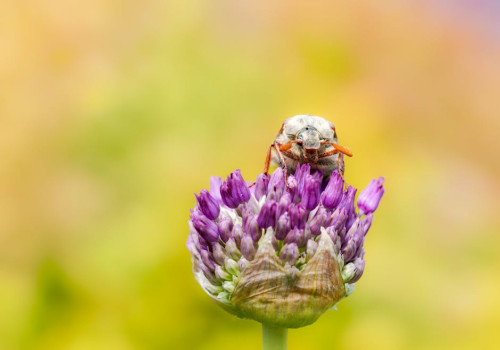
277,147
340,165
327,154
288,145
268,159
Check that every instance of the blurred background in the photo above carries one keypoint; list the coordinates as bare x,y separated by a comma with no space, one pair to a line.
113,113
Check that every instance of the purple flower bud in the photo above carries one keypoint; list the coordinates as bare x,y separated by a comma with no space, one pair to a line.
311,248
333,192
300,173
234,190
198,241
246,215
277,183
248,247
310,192
290,253
282,226
207,260
347,203
347,200
337,219
218,253
261,185
283,204
253,228
298,216
369,198
238,234
267,215
367,223
314,225
353,240
205,227
359,264
296,236
232,250
208,205
209,274
224,228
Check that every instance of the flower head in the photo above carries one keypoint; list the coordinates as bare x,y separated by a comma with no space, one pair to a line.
280,252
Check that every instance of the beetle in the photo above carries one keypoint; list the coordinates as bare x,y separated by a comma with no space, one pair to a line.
310,139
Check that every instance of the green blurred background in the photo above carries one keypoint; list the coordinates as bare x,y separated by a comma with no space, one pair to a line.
113,113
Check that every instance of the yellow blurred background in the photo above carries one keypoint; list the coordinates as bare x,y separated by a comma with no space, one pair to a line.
113,113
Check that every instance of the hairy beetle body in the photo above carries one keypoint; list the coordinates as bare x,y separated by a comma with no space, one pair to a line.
307,139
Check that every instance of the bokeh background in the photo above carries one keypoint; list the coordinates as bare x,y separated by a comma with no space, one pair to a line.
113,113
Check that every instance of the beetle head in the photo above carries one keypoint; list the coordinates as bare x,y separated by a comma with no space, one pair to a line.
310,138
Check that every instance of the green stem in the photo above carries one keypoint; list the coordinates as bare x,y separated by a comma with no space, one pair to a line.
274,338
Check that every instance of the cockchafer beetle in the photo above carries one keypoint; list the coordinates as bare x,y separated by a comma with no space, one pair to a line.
307,139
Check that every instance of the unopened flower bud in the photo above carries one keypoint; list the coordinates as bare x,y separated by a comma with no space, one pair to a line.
224,228
232,267
289,253
338,219
354,239
353,270
208,205
298,216
205,227
267,215
333,192
261,185
283,226
234,190
218,253
369,198
317,221
311,248
222,274
311,192
296,236
232,250
276,183
248,247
